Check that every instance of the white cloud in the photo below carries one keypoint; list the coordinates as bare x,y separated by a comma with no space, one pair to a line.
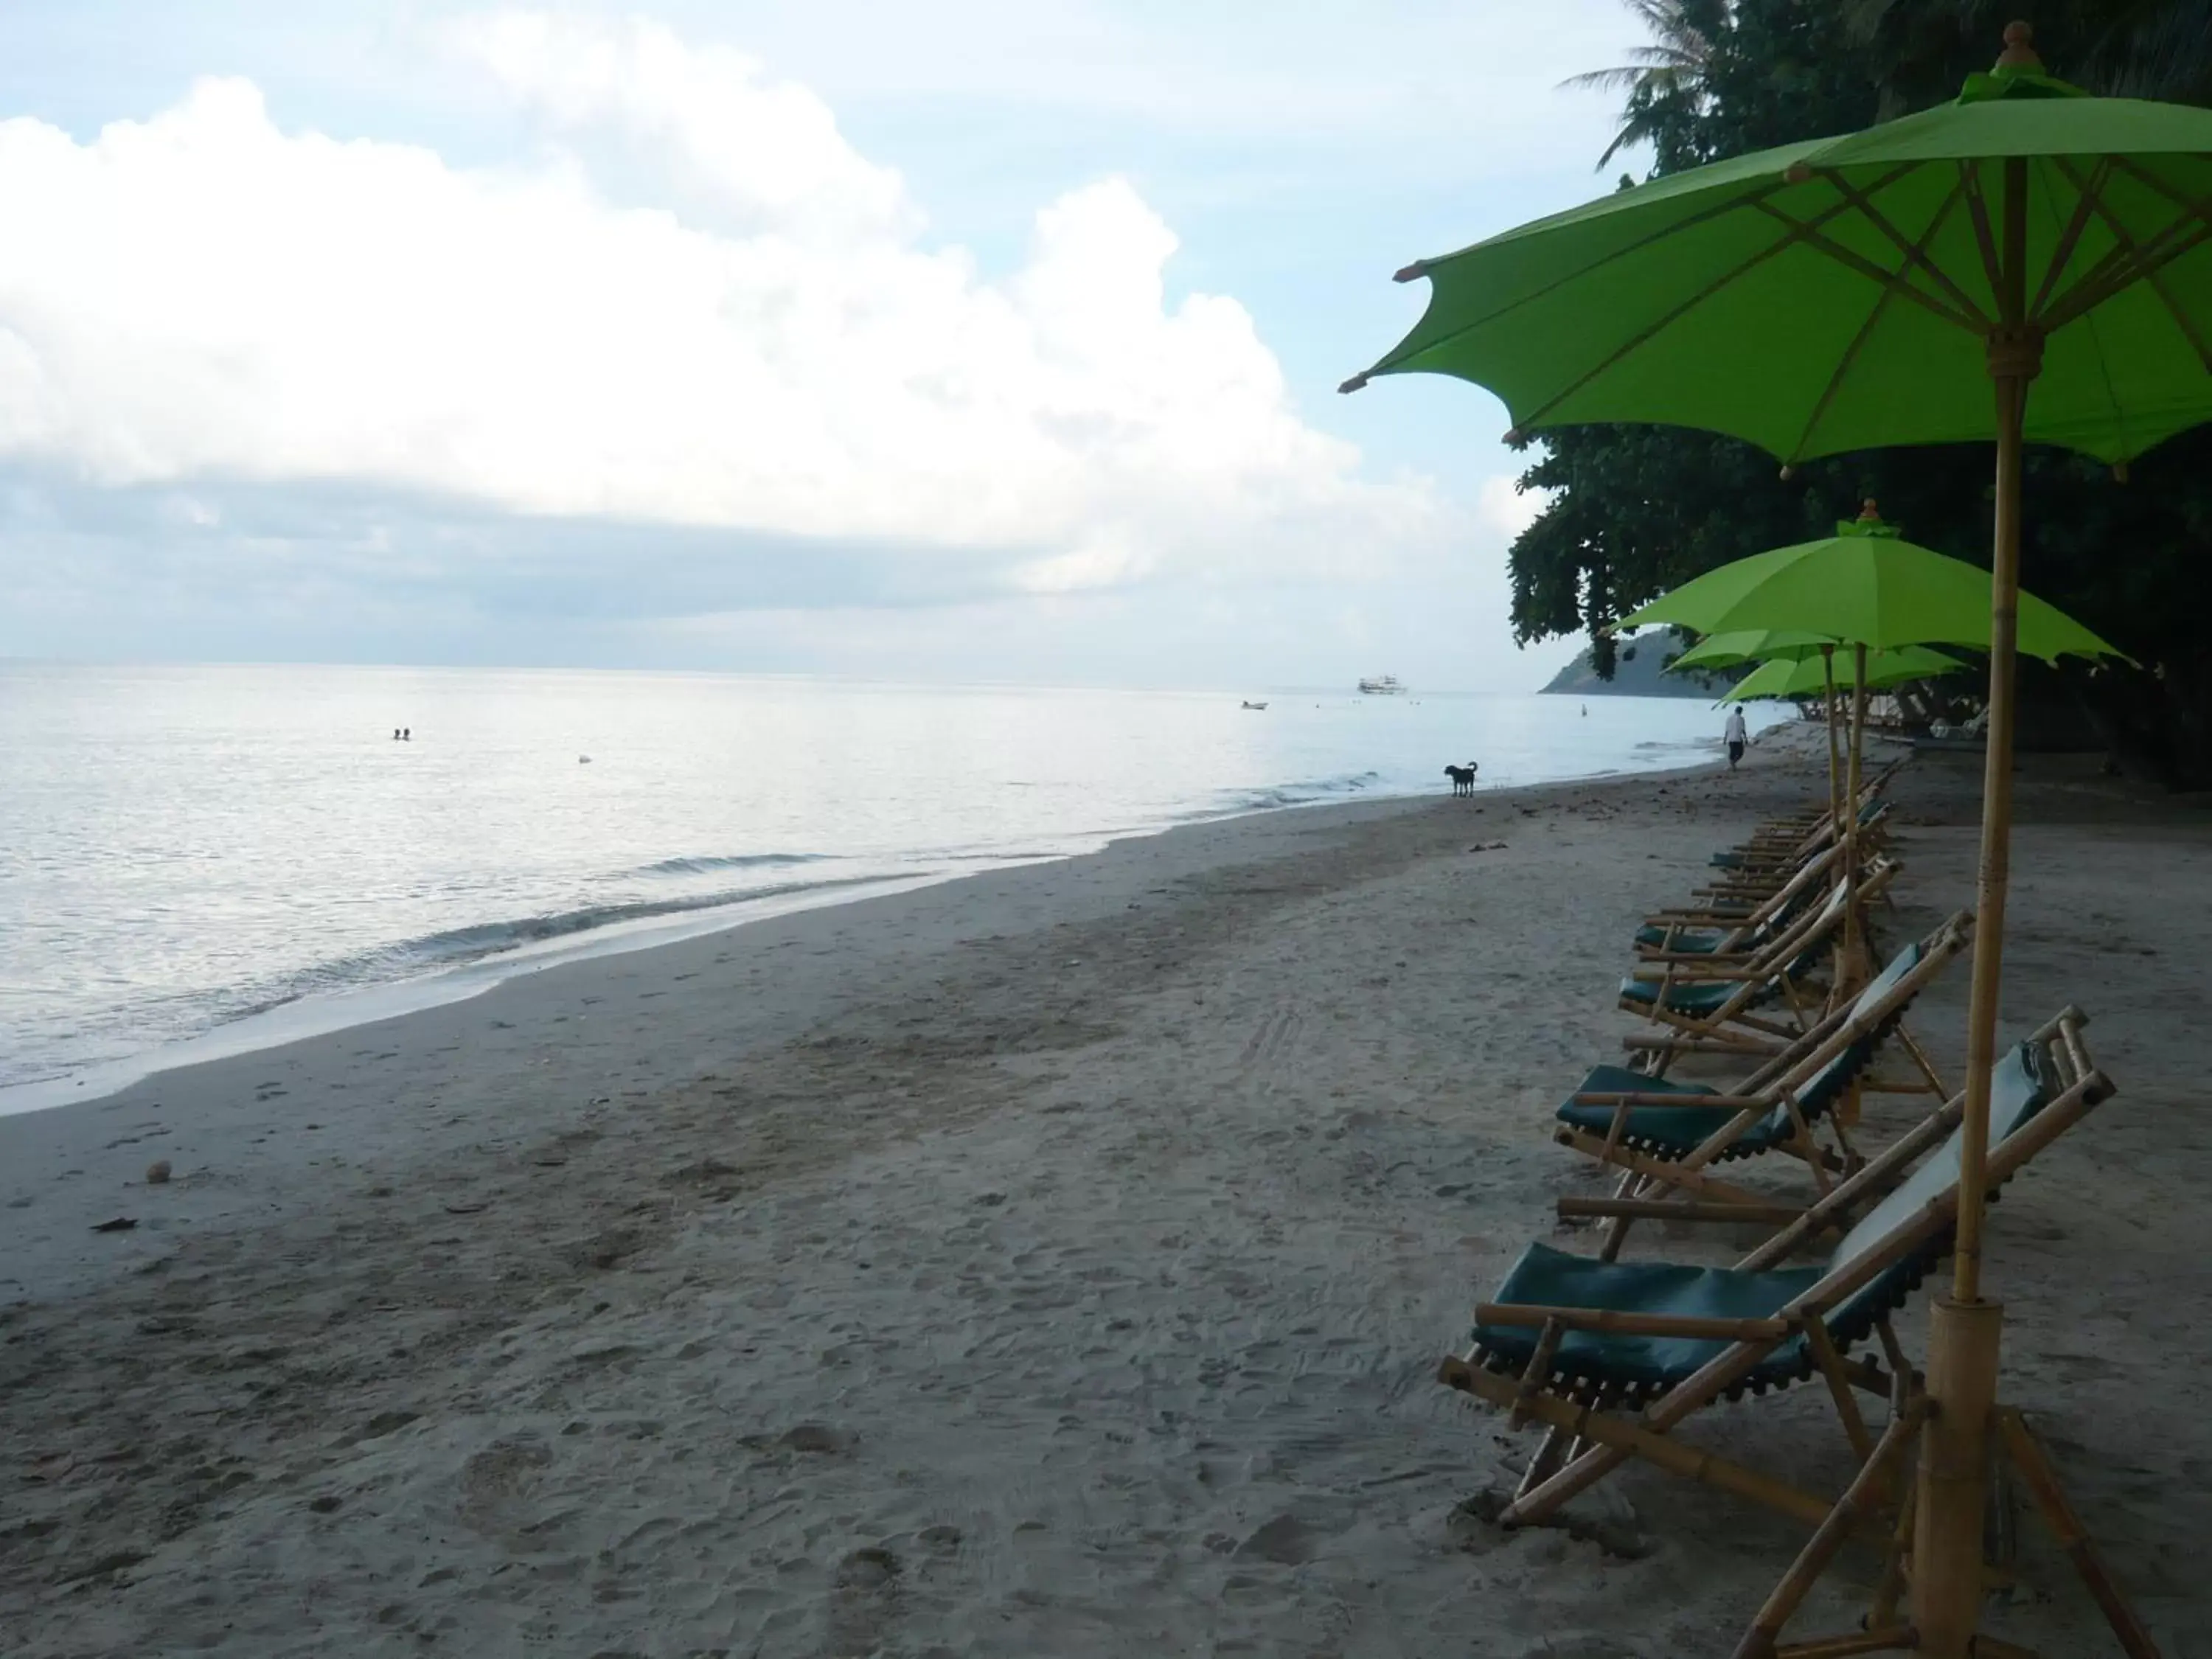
1505,507
749,329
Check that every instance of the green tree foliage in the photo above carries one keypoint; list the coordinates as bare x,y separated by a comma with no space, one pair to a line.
1633,511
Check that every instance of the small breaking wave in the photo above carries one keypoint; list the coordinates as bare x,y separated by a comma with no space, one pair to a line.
458,946
1300,793
705,865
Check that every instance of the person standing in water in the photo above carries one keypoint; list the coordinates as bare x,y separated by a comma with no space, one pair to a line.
1736,736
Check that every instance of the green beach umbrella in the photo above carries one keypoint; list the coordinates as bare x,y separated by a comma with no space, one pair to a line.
1867,585
1872,590
2024,264
1862,291
1807,677
1730,650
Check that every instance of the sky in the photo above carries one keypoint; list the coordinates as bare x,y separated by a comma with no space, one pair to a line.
982,340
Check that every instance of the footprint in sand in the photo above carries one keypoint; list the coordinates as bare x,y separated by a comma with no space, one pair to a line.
496,1482
863,1603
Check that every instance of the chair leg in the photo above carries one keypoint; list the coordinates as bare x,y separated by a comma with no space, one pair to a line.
2028,1457
1889,1588
1554,1449
1852,1512
1911,1046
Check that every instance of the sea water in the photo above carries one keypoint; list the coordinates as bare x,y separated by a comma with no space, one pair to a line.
184,848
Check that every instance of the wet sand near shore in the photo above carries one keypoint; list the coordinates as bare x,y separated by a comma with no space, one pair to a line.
1052,1262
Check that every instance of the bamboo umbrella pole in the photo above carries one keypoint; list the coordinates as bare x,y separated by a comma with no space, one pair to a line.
1964,1331
1849,974
1835,768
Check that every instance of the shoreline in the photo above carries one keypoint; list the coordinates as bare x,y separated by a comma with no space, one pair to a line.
1056,1261
322,1014
244,1108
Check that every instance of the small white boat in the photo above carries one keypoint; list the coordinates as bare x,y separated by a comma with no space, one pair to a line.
1382,686
1255,705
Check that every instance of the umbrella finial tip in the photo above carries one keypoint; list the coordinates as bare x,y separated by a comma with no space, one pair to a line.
2019,47
1788,473
1869,509
1514,436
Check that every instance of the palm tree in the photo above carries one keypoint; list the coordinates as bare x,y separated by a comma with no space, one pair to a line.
1665,78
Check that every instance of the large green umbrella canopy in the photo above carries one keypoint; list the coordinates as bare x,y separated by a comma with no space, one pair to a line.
1861,587
1807,677
1843,293
2024,264
1730,650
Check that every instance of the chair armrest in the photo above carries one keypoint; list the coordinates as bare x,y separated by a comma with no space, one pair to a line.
1662,1102
1622,1321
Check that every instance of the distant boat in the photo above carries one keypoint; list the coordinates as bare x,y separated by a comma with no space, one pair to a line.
1254,705
1382,686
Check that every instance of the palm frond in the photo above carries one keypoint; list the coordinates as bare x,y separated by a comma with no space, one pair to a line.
1670,68
1628,76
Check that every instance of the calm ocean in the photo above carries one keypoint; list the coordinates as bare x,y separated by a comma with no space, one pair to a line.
183,848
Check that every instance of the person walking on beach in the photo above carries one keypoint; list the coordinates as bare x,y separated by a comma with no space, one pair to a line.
1736,736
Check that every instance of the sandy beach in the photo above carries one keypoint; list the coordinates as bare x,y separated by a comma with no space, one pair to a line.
1052,1262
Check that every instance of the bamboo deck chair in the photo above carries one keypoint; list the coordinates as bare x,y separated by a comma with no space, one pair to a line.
1782,838
1819,808
1713,1003
1785,825
1614,1357
1667,1138
1760,871
1717,925
1711,953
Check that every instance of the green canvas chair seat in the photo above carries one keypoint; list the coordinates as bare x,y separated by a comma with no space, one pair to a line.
1706,940
1620,1367
1674,1131
1699,999
1704,997
1703,940
1669,1131
1741,925
1609,1367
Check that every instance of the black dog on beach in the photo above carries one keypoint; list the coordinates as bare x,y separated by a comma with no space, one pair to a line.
1462,778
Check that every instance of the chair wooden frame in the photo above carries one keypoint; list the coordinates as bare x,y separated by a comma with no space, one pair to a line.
1740,926
1589,1434
1733,1026
1655,1186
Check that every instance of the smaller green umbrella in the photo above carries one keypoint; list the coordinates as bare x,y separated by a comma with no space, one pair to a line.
1754,645
1766,644
1808,677
1865,585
